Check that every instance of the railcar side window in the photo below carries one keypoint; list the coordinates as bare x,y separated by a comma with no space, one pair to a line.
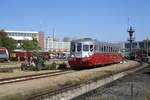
85,47
96,47
73,47
111,49
99,48
79,46
104,48
117,49
114,49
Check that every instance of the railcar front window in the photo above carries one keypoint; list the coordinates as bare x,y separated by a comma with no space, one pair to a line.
73,47
85,47
79,46
2,52
91,48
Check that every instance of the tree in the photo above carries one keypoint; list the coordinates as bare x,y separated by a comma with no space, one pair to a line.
6,41
30,45
39,60
3,33
35,44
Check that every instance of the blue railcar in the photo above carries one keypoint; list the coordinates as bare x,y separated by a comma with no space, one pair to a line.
4,55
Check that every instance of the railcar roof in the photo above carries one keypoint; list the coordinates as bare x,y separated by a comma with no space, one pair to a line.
96,42
84,40
107,43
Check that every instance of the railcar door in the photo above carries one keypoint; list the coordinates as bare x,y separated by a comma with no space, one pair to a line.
76,49
78,53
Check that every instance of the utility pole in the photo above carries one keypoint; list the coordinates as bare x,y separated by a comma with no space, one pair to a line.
131,39
147,41
53,32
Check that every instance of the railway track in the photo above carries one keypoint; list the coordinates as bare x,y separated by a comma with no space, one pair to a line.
31,77
10,68
13,68
61,91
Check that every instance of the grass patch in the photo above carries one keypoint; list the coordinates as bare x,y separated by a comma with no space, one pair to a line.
9,63
147,97
18,72
95,75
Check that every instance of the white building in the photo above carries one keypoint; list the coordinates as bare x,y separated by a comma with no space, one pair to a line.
22,35
26,35
50,44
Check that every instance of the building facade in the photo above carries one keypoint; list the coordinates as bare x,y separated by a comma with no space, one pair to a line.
142,47
51,44
27,35
138,45
57,49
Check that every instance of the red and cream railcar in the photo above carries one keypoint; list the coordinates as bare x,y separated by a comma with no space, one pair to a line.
22,54
88,53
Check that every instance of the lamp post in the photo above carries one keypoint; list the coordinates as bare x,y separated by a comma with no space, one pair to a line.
131,39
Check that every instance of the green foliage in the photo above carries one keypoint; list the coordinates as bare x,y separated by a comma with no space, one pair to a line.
39,63
38,60
35,44
30,45
6,41
46,67
11,44
53,66
32,68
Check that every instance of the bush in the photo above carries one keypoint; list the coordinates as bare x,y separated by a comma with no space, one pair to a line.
46,67
53,66
63,66
32,68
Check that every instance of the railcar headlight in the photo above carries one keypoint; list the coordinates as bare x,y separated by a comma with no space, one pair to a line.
72,55
86,56
84,59
89,54
70,58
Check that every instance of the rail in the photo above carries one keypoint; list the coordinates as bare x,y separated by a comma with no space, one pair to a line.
31,77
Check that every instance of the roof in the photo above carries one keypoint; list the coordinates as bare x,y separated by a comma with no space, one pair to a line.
84,40
8,31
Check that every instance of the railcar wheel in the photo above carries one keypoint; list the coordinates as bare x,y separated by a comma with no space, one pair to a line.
77,68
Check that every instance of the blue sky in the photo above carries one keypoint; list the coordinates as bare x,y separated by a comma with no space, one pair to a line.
105,20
